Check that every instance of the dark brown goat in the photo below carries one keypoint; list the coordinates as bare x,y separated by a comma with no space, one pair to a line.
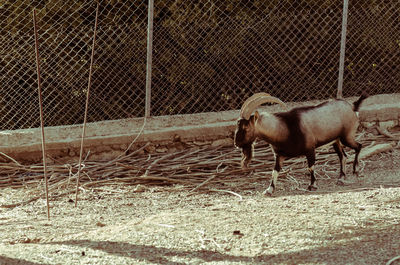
299,132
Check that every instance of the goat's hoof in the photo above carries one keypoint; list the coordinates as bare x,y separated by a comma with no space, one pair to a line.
340,182
312,187
268,192
343,182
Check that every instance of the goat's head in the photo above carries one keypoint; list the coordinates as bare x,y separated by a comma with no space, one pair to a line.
245,133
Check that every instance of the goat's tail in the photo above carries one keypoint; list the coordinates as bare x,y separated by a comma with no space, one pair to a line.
357,104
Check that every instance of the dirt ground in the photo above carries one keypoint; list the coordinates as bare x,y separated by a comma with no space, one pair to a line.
354,224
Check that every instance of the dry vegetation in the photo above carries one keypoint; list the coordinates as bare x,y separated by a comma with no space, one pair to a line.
197,208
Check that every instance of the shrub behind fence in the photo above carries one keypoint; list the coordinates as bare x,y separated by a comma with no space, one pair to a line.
207,55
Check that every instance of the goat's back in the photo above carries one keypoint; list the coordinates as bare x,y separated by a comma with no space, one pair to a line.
326,122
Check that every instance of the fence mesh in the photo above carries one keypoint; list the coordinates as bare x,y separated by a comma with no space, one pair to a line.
208,55
373,47
65,42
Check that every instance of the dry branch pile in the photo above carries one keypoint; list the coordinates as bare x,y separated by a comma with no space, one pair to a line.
192,169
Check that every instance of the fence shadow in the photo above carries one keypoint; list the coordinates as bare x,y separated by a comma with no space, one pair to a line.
363,246
13,261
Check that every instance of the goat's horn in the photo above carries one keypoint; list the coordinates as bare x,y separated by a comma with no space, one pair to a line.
256,100
250,99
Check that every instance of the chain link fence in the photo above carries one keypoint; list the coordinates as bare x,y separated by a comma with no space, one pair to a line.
208,55
373,47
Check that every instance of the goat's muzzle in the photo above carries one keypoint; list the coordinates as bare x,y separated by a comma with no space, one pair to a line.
240,137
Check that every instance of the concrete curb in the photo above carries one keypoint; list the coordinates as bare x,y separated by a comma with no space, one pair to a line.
111,138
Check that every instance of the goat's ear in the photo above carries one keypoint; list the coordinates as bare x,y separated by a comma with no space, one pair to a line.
256,116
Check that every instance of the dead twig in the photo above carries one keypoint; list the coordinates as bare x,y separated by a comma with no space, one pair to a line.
193,170
230,192
393,259
41,113
87,104
384,132
10,158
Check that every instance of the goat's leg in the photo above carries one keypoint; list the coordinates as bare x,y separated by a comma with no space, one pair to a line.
357,148
311,162
342,159
278,166
355,163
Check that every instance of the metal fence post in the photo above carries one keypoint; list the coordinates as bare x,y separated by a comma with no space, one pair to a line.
342,49
149,58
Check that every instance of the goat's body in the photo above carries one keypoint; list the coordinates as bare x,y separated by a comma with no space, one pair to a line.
295,132
300,131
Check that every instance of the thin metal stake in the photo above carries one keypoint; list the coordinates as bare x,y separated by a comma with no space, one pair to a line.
41,113
342,49
86,106
149,58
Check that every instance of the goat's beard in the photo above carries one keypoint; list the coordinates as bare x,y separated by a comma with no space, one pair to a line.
247,155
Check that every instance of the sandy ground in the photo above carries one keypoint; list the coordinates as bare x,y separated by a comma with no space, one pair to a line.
354,224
